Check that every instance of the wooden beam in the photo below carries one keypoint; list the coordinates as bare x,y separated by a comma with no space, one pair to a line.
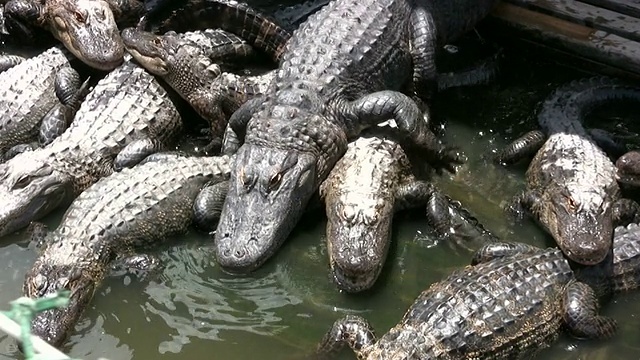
627,7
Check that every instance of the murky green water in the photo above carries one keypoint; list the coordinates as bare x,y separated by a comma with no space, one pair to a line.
191,310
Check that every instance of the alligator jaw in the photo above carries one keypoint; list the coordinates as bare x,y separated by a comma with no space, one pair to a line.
357,248
29,190
149,49
54,326
269,190
87,28
584,235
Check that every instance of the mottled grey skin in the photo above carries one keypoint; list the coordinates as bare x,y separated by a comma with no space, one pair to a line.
87,28
340,73
127,116
9,61
33,88
512,302
372,181
571,182
185,63
124,212
628,167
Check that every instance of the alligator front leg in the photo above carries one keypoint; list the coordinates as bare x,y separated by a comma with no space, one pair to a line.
494,251
521,204
451,221
208,205
352,330
413,193
9,61
523,147
140,265
135,152
580,313
381,106
70,93
234,134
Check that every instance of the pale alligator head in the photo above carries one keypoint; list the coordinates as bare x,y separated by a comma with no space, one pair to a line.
55,326
88,29
30,188
580,219
358,240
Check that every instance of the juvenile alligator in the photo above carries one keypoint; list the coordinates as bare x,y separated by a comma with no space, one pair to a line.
184,62
33,88
511,302
125,117
367,185
341,73
122,213
571,182
87,28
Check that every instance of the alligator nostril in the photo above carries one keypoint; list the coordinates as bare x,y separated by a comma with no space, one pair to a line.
226,252
240,253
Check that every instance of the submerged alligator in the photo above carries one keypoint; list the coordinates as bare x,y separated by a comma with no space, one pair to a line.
367,185
35,87
340,73
131,210
571,183
512,301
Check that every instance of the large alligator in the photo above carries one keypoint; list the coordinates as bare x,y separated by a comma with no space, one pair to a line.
87,28
367,185
511,302
341,72
125,117
130,210
34,87
571,182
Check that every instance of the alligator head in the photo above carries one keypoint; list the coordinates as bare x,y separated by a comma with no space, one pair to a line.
29,189
358,242
628,166
268,192
88,29
54,326
580,220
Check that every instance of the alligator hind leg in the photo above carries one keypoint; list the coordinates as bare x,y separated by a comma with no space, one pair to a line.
135,152
208,205
352,330
498,250
580,313
523,147
381,106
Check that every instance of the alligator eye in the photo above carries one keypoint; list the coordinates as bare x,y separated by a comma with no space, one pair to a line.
571,203
157,41
23,182
79,17
275,180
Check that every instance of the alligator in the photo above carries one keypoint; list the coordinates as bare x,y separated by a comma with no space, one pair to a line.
367,185
8,61
512,301
35,86
571,182
342,71
127,116
628,168
87,28
122,213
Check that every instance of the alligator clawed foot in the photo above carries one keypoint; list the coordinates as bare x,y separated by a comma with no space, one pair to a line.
448,159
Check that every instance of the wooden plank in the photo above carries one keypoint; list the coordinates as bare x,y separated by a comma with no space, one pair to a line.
592,16
627,7
578,39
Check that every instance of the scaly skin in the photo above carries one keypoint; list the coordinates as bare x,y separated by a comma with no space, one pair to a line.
511,303
125,117
340,74
124,212
87,28
31,93
571,182
628,168
8,61
366,187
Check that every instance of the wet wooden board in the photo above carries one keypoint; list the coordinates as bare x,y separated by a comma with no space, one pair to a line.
604,31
